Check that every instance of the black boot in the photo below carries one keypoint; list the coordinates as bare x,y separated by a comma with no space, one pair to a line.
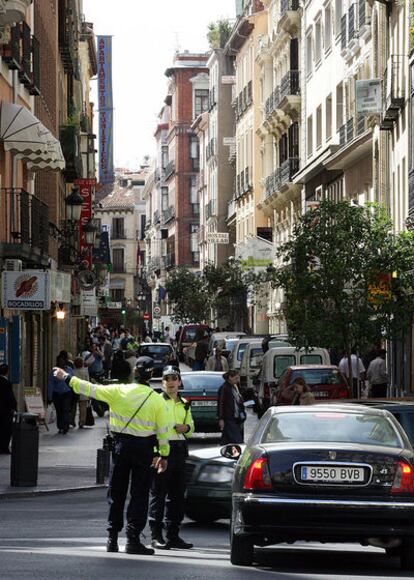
112,542
157,539
134,546
178,543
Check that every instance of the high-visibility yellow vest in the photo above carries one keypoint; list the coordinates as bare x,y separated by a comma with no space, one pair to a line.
180,412
152,419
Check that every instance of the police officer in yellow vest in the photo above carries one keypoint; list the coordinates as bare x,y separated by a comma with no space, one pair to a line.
168,488
139,421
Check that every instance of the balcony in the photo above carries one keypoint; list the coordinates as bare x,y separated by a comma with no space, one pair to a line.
289,95
393,92
355,143
118,234
211,149
272,183
118,268
168,214
212,100
70,143
24,227
67,33
231,210
15,11
156,217
169,170
289,21
288,170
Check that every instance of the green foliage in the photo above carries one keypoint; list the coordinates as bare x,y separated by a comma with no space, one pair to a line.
221,288
218,33
187,292
346,276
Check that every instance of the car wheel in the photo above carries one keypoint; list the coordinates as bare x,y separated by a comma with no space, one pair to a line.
241,550
407,554
202,517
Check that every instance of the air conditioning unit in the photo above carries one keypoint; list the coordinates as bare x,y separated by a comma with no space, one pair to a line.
13,265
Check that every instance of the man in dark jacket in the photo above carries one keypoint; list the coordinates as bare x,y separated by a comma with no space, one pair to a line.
7,407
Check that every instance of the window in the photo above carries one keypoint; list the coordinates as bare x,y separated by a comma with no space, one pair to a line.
193,189
319,127
338,16
339,106
117,294
142,236
309,53
118,232
328,117
310,136
318,40
164,198
164,156
200,101
118,265
195,152
328,27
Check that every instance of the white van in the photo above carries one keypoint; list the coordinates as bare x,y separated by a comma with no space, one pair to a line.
236,355
250,366
275,361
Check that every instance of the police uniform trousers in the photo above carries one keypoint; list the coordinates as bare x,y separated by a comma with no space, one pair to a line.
132,459
168,491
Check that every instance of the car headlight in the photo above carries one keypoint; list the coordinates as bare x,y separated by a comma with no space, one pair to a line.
216,474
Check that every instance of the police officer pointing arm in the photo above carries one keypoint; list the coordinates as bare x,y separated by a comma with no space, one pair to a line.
139,421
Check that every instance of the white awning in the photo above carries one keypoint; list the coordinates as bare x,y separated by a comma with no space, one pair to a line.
26,137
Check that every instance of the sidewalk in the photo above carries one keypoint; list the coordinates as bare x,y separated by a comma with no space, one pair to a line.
66,462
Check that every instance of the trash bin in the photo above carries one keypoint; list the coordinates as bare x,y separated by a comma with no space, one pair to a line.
25,450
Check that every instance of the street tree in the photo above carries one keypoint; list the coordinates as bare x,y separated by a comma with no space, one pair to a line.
218,33
347,278
227,286
188,294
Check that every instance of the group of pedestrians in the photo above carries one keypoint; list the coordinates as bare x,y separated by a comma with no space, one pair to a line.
372,381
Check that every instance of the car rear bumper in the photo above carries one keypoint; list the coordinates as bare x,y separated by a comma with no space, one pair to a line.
321,519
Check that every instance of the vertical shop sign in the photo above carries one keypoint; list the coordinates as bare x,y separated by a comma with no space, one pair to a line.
106,152
86,187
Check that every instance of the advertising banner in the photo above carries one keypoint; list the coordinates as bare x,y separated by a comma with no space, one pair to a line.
86,188
27,290
368,96
89,304
106,153
60,286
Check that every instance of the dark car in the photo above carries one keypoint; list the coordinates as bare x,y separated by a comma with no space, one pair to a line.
201,389
161,353
325,382
328,473
209,477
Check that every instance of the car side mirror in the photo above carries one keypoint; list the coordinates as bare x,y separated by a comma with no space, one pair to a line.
231,451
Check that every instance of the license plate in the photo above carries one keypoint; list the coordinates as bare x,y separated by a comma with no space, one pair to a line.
204,403
332,474
320,394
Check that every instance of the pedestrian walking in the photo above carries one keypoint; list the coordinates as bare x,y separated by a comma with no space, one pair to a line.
303,393
377,375
8,406
81,372
168,488
201,350
94,362
217,362
139,420
358,371
231,411
60,394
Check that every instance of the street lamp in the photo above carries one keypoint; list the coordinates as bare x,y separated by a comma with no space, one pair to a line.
74,202
90,231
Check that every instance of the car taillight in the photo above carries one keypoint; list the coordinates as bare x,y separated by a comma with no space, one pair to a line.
343,393
258,476
404,479
266,391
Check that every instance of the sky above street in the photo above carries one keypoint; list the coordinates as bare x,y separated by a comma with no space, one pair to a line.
146,36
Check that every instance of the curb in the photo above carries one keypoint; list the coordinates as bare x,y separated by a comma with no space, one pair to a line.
35,492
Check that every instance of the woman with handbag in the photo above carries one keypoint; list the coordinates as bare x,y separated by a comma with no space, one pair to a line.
81,372
231,411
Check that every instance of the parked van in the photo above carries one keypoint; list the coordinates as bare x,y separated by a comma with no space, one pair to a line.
251,364
236,355
275,361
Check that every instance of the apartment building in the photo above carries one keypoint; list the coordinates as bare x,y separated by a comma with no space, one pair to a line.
40,86
243,45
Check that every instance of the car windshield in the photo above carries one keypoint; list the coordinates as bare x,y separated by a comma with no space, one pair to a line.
196,381
241,349
230,342
317,376
189,334
338,427
154,350
256,357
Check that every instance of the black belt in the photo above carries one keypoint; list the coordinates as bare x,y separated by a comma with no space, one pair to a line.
177,443
127,437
